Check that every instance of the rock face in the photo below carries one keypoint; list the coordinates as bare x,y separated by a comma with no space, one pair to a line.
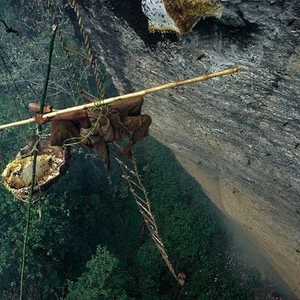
238,135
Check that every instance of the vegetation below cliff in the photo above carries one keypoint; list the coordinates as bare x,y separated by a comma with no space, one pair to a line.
82,213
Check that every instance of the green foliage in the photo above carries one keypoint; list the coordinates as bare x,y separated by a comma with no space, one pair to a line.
100,280
82,211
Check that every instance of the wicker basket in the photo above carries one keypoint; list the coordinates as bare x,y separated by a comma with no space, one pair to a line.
52,163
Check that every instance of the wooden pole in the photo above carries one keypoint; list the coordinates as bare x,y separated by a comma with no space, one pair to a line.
128,96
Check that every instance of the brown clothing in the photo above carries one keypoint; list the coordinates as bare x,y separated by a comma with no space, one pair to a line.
117,121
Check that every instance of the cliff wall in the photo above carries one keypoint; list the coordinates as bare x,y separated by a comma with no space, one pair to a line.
238,135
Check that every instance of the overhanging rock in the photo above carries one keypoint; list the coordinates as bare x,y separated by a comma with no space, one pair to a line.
239,135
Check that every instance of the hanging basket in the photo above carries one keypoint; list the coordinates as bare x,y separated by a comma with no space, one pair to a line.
52,162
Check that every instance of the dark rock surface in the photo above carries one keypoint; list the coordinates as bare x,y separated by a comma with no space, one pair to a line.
238,135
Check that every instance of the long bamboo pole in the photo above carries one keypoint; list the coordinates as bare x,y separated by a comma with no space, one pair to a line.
128,96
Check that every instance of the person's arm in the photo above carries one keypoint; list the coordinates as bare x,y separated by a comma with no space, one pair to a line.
36,108
80,115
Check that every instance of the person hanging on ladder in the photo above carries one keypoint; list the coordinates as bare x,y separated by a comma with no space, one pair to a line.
96,128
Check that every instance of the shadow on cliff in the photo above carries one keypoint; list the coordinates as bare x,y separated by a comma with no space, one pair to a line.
131,11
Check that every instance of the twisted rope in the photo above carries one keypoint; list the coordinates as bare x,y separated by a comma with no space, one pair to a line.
88,49
134,182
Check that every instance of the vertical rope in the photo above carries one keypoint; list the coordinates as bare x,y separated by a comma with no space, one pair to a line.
61,40
88,49
35,154
54,27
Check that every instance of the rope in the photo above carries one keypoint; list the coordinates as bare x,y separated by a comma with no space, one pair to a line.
89,57
88,49
35,149
134,182
61,40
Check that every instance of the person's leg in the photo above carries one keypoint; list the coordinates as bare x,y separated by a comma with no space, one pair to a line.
62,131
128,107
138,127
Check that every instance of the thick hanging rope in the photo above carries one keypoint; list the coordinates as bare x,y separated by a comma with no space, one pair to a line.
99,103
141,197
35,154
143,204
88,49
67,49
61,40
